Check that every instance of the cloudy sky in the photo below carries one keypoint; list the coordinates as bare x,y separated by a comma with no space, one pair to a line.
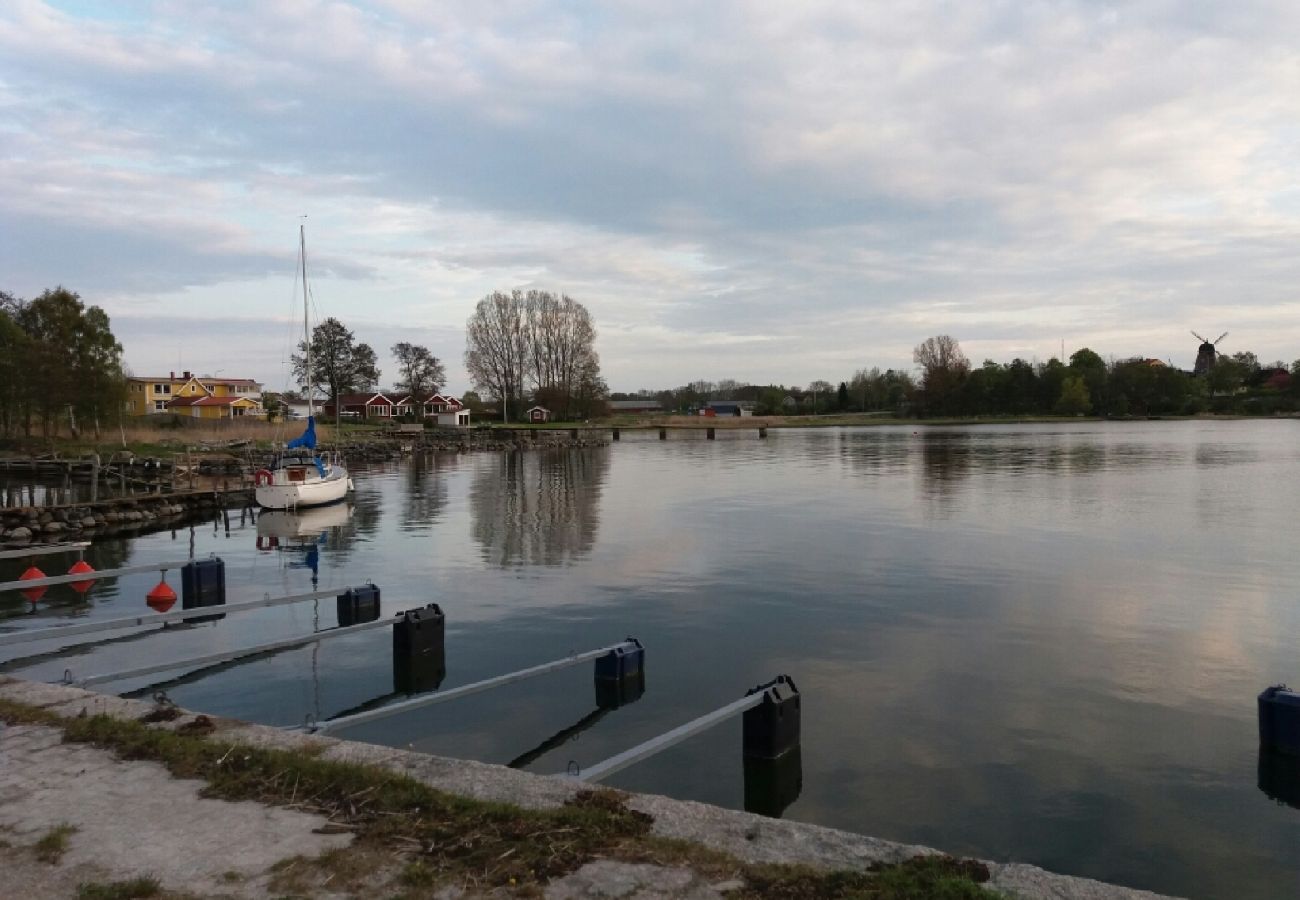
761,190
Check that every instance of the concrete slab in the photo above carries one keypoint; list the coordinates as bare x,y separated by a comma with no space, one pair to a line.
746,836
134,819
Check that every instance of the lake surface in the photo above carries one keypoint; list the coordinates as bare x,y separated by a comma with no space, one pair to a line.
1031,643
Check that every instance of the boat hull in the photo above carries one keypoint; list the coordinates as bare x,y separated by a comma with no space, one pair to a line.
298,495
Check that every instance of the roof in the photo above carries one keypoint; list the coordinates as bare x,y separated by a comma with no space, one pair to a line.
361,399
207,401
542,408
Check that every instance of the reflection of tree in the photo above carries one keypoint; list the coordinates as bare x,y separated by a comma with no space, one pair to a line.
426,489
539,507
945,463
876,452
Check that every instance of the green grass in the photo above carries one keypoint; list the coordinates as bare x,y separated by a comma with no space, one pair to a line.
54,843
415,839
133,889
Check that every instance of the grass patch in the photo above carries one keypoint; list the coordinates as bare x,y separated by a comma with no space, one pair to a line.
12,713
414,839
54,843
132,889
919,878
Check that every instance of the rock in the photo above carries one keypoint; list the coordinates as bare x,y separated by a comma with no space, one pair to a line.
53,527
88,522
44,518
20,534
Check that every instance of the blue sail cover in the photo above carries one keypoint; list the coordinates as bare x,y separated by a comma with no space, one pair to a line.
307,438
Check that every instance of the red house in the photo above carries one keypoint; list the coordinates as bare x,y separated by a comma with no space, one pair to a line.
361,406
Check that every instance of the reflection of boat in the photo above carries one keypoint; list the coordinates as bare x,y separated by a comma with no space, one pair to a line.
300,477
299,526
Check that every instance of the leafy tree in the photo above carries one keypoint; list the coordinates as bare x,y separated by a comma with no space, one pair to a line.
842,395
1074,399
1092,369
339,364
421,373
72,366
16,391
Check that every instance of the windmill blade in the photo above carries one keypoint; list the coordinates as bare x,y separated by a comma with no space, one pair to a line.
1220,337
1199,338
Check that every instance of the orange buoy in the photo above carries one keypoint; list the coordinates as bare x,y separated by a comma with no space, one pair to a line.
161,598
81,567
36,593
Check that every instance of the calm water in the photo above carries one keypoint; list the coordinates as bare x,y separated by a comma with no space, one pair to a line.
1036,643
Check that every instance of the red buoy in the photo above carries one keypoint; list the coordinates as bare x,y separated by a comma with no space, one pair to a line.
81,567
161,598
36,593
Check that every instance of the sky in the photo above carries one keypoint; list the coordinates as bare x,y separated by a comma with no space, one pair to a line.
765,191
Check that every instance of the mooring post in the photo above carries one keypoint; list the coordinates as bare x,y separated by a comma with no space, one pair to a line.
620,675
94,477
771,728
712,434
573,434
663,434
1279,720
419,649
762,432
357,605
615,434
203,583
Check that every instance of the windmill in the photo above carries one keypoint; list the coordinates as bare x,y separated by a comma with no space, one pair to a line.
1206,354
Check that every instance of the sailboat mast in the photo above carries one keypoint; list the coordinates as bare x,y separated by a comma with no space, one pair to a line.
306,329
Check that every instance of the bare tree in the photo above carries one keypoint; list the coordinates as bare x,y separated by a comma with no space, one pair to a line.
497,347
539,340
562,354
943,369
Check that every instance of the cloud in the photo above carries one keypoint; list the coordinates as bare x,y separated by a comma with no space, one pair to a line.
849,179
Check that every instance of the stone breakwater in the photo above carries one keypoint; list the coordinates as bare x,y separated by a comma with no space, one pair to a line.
478,439
19,525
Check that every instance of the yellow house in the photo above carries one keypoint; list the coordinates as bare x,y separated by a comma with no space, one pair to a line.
199,396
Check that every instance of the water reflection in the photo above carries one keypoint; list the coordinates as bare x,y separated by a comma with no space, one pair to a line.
1279,777
426,489
299,534
539,507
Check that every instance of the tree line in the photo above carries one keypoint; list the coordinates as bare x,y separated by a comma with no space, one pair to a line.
60,366
946,384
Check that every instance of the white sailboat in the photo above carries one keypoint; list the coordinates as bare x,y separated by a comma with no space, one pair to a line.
299,476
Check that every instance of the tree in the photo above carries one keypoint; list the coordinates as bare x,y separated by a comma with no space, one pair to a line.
13,353
1074,400
496,347
71,362
540,339
943,369
842,396
421,373
562,359
818,388
339,364
1092,368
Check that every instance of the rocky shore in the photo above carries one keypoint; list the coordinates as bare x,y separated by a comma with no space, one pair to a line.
82,520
